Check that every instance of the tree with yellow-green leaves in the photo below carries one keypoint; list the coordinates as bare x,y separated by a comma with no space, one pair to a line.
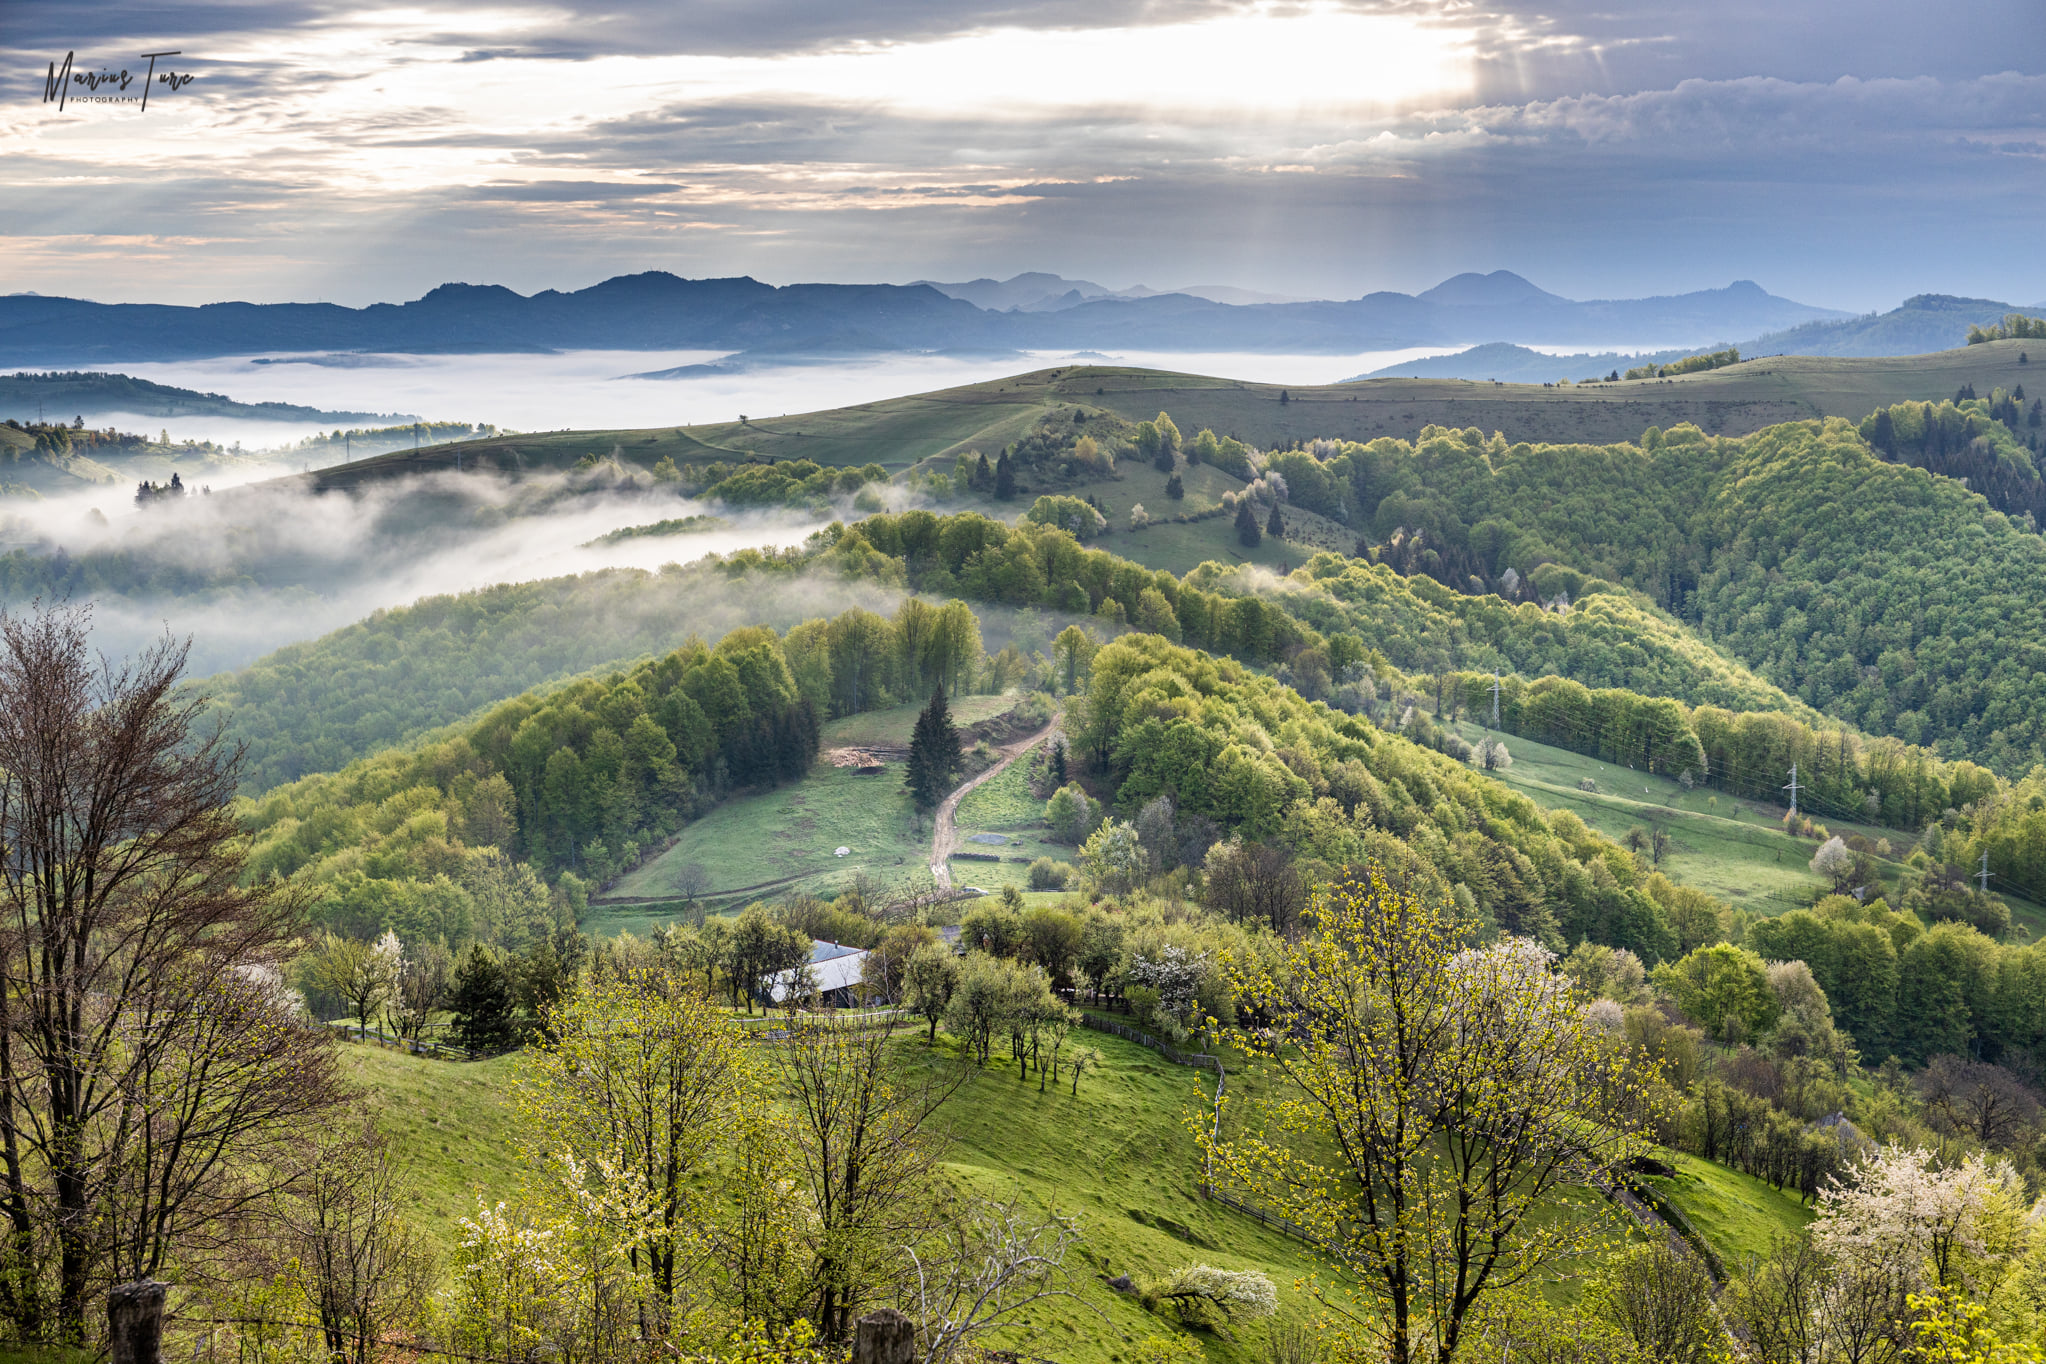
625,1110
1439,1107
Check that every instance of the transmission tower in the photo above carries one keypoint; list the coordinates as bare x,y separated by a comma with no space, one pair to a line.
1982,876
1495,698
1792,788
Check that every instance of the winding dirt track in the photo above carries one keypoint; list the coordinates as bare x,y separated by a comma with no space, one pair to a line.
944,834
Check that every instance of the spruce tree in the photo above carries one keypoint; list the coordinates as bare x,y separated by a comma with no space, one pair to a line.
1005,477
934,756
482,1003
1246,526
1058,762
1275,527
1175,488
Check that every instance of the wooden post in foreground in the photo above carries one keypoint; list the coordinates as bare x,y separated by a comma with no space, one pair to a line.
135,1322
883,1337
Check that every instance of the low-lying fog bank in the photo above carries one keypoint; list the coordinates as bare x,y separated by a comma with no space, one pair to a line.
246,570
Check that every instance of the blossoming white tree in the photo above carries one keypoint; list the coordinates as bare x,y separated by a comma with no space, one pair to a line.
1930,1228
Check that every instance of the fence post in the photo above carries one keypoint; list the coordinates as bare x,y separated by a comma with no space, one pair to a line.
135,1322
884,1337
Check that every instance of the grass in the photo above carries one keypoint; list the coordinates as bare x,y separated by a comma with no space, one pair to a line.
450,1129
1120,1155
1737,1214
899,432
1732,848
1004,805
784,839
787,839
893,726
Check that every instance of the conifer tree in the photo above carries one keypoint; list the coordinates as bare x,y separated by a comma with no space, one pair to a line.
1058,762
1175,488
482,1003
1275,527
1005,477
933,754
1246,526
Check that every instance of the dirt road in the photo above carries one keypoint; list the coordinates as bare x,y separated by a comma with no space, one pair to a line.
944,833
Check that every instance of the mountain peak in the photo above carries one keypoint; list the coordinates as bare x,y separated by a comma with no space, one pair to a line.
1500,288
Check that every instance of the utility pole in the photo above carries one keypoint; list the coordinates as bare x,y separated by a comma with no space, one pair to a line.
1983,876
1495,698
1792,788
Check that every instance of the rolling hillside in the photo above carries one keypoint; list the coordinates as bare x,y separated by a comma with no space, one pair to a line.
1117,1154
898,432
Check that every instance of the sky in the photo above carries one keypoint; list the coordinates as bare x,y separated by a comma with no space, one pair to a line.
1846,153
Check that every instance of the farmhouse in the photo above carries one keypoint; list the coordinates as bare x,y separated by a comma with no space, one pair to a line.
834,974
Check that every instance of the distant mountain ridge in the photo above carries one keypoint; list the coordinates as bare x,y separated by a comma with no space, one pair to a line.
659,311
1921,325
1038,292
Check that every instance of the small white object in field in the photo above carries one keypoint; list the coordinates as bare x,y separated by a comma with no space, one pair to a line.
842,852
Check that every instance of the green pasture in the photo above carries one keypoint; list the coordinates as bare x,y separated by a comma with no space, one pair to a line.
1004,805
766,845
1119,1155
1737,1214
891,728
1733,848
451,1132
900,432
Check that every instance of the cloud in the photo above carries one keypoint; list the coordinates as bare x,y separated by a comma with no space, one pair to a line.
368,153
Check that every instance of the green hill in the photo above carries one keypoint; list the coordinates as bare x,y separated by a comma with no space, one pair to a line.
897,432
1117,1154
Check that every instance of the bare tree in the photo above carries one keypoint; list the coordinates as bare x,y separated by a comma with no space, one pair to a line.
868,1150
1661,1297
149,1075
692,881
1982,1100
425,981
991,1265
1254,881
362,1269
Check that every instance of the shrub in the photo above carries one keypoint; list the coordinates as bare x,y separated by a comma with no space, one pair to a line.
1048,874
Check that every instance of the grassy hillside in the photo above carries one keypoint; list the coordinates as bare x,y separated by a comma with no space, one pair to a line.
450,1129
1118,1154
1003,807
1727,846
787,840
898,432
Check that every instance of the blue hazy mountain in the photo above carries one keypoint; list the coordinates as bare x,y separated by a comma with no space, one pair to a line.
660,311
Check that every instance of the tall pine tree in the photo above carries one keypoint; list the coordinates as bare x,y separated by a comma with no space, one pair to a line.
934,757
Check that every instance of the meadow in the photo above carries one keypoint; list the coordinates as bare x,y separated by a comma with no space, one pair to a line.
786,841
1726,846
1119,1155
899,432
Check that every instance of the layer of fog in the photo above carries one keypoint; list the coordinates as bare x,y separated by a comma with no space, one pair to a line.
588,390
245,571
